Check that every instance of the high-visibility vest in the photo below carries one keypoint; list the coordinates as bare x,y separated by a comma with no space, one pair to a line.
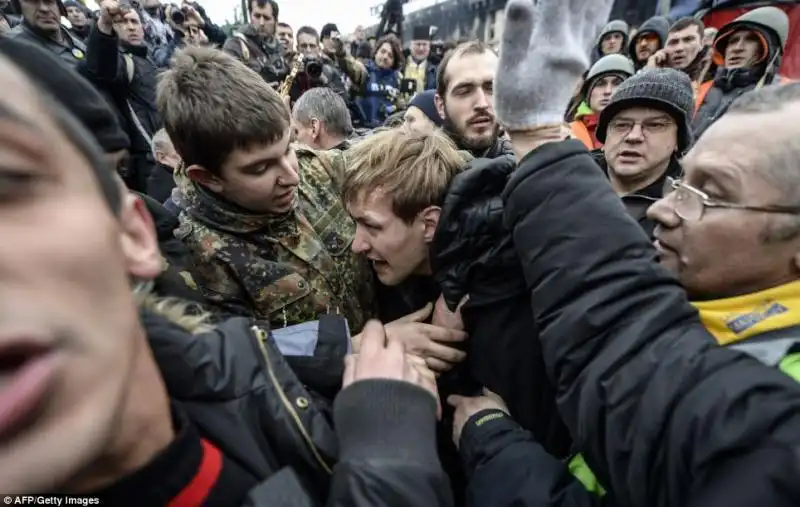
581,133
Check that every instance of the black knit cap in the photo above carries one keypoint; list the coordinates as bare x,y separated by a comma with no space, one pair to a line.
668,90
81,101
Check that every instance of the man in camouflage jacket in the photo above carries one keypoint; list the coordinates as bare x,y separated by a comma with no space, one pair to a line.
286,269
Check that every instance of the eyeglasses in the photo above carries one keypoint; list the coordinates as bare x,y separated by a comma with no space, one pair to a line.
690,203
624,127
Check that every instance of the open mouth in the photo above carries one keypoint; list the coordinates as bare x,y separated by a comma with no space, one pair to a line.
629,156
27,370
481,122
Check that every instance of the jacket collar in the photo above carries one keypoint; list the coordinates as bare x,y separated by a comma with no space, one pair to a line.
220,214
734,319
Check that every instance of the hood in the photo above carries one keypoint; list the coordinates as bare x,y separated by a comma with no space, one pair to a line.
268,42
657,25
222,215
616,25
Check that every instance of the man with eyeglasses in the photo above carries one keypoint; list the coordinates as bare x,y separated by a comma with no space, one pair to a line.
645,128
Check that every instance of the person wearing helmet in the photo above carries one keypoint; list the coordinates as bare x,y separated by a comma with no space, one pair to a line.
748,53
601,82
648,40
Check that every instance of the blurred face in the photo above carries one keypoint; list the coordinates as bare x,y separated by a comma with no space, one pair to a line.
129,29
372,43
262,179
286,36
332,43
76,16
682,47
420,49
601,92
263,19
467,106
395,248
639,144
646,46
359,33
308,44
69,330
43,14
4,26
612,43
418,121
744,50
384,57
728,252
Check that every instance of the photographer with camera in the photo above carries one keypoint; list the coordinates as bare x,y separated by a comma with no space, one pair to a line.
191,27
257,45
334,49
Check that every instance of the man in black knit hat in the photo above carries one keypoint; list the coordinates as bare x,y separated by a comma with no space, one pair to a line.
645,128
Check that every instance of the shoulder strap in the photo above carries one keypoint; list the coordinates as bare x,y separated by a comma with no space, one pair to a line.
130,67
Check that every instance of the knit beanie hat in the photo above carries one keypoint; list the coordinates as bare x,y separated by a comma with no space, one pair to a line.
79,98
424,101
668,90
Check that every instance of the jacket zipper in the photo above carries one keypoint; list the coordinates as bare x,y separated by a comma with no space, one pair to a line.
259,334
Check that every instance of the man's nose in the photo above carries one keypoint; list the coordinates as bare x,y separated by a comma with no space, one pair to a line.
359,244
662,212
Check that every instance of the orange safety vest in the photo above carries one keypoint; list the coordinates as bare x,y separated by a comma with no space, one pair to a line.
581,133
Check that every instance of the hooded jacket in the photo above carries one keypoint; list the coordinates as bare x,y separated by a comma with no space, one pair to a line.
658,26
285,269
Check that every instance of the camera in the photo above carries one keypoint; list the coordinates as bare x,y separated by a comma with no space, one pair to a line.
313,68
178,14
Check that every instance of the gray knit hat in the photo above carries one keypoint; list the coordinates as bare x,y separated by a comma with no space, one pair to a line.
666,89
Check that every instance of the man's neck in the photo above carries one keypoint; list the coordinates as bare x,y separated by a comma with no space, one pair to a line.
625,186
145,427
330,142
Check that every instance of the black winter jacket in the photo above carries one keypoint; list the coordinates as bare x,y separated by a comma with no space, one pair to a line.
240,393
662,414
473,254
106,66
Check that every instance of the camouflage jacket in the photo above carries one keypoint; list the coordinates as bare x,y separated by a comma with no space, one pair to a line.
286,269
266,57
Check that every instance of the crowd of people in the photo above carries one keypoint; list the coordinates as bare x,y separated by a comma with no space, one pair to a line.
279,267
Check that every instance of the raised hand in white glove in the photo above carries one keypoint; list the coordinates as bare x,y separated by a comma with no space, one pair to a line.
544,50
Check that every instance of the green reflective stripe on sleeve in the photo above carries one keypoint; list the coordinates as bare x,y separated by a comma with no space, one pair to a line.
578,467
790,365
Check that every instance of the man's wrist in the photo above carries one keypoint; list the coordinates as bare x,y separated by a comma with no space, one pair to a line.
523,141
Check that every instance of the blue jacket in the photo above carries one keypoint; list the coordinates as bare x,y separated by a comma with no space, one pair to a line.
381,94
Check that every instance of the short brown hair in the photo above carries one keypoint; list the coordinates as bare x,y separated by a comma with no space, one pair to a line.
212,104
473,47
686,22
397,49
414,169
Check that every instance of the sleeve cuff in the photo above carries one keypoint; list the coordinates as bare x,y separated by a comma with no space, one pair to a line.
386,419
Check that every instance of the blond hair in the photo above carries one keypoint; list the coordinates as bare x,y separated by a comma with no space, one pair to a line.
414,169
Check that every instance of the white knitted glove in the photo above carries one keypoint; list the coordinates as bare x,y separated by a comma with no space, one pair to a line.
544,51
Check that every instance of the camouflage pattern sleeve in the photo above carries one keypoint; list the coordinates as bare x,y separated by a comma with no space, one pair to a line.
355,71
330,161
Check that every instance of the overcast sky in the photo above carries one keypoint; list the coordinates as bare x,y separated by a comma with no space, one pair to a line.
347,14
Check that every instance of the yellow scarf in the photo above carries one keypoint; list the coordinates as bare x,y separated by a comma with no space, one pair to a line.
735,319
